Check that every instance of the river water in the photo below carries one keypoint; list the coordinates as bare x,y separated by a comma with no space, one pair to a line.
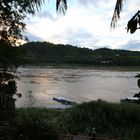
39,85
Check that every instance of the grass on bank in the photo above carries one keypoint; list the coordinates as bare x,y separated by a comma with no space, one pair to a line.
119,121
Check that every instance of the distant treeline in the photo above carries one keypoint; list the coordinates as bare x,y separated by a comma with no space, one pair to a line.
43,53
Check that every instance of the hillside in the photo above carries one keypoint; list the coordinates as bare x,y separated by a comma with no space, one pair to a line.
43,53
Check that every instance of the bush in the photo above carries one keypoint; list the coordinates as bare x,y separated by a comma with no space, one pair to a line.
120,121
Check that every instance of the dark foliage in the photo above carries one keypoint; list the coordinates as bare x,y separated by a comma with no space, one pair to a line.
12,15
134,23
43,53
117,11
36,124
61,6
118,121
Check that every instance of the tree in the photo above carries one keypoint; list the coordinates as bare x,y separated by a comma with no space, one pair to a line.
12,14
12,26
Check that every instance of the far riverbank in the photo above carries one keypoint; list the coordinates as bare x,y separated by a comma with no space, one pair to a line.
78,66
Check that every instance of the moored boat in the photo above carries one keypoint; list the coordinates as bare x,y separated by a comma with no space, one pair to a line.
131,100
64,101
138,75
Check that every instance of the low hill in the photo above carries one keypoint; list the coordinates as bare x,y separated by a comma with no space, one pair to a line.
43,53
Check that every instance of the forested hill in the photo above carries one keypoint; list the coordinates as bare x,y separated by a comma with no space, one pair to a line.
43,53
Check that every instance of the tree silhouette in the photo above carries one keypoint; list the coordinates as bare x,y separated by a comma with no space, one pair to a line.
116,14
12,26
61,6
13,13
132,25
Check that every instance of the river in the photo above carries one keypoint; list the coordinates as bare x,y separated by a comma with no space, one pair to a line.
39,85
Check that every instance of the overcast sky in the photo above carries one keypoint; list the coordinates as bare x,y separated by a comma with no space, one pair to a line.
86,24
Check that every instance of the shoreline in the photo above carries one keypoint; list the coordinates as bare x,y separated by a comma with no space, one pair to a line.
77,66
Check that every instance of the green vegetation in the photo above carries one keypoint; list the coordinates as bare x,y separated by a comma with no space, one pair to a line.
43,53
119,121
8,88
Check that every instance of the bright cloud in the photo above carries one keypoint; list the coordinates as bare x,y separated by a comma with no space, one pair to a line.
86,24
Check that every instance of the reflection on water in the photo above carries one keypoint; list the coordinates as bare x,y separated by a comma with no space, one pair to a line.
79,85
30,99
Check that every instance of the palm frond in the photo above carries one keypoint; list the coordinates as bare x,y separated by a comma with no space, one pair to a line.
36,4
29,6
61,6
134,23
116,14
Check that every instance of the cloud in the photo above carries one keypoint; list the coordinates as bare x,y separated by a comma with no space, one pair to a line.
95,3
46,14
33,37
132,45
80,37
133,5
86,24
